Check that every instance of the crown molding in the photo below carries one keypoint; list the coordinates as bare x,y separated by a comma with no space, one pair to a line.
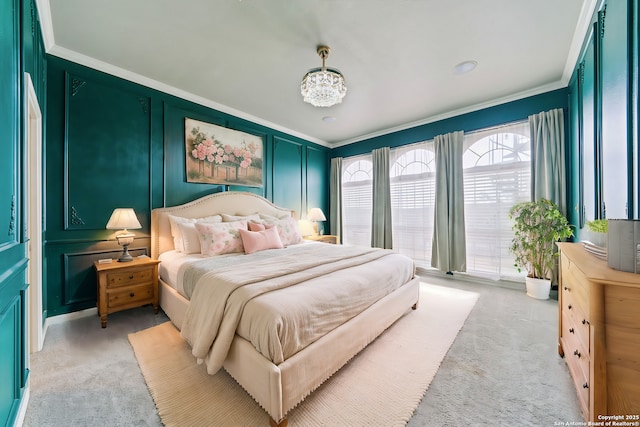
46,23
470,109
577,43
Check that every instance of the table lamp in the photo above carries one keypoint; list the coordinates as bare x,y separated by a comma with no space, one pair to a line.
316,215
122,219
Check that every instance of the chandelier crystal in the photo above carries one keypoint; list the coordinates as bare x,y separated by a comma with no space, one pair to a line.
323,87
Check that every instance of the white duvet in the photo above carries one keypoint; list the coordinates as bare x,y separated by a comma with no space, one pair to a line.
282,300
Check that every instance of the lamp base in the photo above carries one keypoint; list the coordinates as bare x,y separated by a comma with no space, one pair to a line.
126,256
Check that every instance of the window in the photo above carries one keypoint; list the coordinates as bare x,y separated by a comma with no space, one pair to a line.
497,175
357,182
412,201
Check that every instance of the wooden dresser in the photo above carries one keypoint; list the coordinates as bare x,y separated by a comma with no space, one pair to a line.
599,333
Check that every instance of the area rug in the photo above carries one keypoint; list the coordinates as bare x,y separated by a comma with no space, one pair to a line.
381,386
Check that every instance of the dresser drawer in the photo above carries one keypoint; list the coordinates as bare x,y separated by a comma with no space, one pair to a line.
134,294
576,343
125,278
575,287
580,379
575,322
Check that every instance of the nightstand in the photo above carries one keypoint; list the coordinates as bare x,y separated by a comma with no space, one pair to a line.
124,285
327,238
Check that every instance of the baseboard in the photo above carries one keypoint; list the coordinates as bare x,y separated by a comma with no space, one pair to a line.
464,277
62,318
24,402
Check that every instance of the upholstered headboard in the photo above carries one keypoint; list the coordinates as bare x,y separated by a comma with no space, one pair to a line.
228,202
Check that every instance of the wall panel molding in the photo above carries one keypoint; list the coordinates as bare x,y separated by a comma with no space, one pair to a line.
107,153
80,276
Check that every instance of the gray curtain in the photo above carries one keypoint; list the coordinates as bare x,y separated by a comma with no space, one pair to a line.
335,197
548,167
381,199
448,250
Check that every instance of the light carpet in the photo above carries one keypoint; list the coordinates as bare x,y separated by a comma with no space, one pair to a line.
381,386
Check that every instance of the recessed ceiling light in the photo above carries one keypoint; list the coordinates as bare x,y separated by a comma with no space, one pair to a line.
465,67
328,119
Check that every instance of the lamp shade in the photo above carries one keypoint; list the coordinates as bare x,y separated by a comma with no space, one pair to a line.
316,214
122,219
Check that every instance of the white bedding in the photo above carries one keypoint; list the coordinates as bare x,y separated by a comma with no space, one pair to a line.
279,388
336,286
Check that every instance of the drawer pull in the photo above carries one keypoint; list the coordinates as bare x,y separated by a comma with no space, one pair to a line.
569,306
131,276
133,295
585,385
568,289
577,353
585,321
572,331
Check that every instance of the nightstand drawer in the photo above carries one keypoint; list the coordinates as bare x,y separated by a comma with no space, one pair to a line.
130,295
125,278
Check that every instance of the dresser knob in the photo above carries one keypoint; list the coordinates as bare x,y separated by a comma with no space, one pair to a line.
131,276
585,385
566,288
577,353
585,321
572,331
133,295
569,306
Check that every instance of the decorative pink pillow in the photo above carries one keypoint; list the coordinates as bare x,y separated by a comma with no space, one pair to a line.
259,226
255,241
256,226
220,238
288,231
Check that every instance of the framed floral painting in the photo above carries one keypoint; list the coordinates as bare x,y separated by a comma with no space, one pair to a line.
219,155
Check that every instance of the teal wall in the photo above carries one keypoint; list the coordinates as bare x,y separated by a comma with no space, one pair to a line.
113,143
21,50
504,113
603,100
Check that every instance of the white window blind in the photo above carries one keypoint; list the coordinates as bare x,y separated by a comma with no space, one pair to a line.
412,200
357,182
497,175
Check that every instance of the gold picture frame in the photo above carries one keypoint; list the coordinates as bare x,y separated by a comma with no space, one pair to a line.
219,155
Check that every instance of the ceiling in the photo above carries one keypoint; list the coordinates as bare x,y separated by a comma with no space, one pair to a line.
247,57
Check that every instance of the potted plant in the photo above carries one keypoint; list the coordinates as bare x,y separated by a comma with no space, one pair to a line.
537,226
595,232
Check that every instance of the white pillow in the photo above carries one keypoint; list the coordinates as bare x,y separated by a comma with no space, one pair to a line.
190,239
231,218
267,217
185,238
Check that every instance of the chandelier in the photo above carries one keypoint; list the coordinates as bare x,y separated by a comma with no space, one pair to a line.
323,87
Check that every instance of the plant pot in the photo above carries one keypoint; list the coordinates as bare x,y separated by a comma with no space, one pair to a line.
598,239
538,288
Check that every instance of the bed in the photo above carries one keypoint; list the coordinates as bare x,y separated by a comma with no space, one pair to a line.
278,377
